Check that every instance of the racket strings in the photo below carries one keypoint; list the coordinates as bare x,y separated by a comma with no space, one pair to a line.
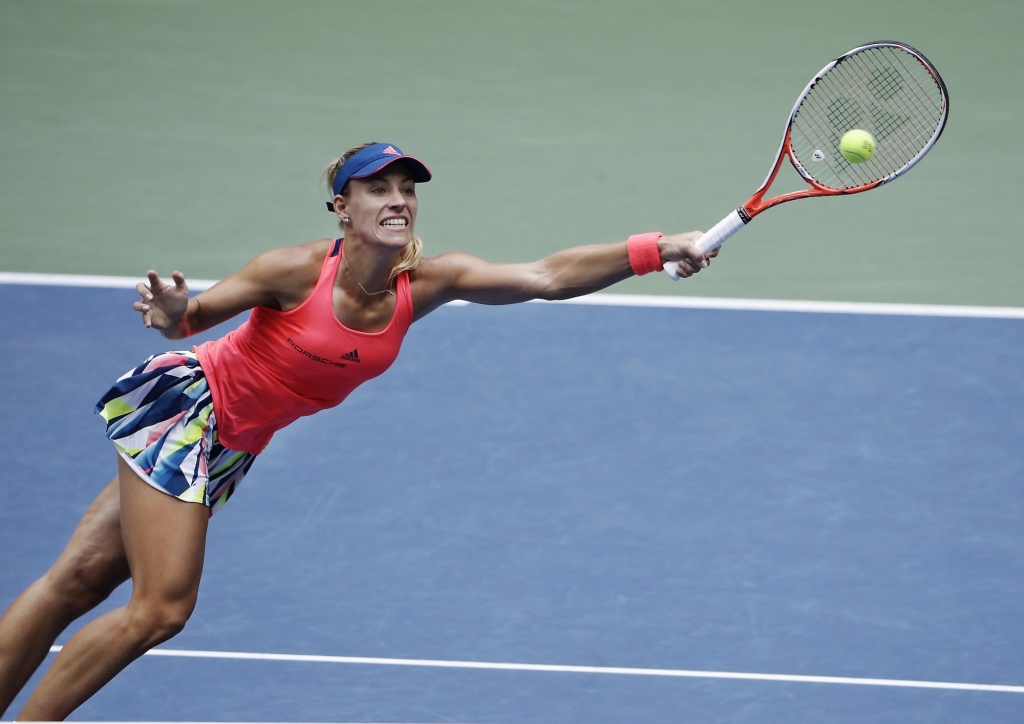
927,115
887,91
847,112
872,82
886,122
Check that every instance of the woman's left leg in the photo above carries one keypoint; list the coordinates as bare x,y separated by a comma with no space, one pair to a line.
165,543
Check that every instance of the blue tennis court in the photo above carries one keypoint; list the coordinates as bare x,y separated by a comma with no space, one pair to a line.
644,493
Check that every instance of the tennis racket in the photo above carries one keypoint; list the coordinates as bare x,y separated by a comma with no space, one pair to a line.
885,88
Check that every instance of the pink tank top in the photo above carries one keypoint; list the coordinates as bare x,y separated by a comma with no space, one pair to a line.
279,366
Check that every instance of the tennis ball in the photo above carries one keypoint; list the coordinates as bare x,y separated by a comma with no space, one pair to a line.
857,146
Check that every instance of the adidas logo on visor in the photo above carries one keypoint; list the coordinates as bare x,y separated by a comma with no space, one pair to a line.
390,150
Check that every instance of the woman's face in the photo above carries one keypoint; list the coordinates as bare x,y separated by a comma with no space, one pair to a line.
381,208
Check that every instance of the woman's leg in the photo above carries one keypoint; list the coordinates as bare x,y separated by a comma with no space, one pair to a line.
92,565
165,541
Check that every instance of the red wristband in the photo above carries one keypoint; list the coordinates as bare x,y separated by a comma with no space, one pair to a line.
644,256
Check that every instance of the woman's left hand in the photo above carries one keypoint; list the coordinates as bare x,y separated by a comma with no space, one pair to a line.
682,248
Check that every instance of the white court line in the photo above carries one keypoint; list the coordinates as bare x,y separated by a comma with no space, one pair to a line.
615,300
87,280
797,305
555,668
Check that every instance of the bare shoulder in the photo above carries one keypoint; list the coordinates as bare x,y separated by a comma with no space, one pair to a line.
281,277
289,260
431,282
290,267
438,273
445,265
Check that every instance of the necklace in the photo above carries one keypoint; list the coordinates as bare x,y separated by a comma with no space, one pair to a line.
369,294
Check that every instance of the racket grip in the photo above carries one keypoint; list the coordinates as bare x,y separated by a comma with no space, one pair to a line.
713,239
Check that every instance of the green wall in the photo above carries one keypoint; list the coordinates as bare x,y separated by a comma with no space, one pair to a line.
192,135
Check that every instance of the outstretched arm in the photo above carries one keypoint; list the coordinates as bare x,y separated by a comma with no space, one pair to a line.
563,275
272,278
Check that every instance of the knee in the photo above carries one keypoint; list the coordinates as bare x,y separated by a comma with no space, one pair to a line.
80,586
157,621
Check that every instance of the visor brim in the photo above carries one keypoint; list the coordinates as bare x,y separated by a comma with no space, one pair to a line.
420,172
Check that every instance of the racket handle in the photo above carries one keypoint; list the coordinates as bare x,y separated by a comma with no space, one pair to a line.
713,239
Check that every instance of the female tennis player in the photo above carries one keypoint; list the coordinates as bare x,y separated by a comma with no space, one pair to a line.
187,426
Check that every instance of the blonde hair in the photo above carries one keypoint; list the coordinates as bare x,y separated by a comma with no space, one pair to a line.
410,257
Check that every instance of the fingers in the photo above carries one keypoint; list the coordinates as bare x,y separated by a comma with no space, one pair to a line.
686,270
146,292
141,306
157,285
693,263
161,304
689,266
687,255
147,313
694,256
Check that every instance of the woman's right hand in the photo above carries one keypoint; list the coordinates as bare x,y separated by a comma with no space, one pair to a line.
162,305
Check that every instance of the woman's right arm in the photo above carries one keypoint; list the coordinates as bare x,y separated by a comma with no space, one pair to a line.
273,278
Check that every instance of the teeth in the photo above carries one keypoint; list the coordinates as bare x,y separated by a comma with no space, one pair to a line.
393,222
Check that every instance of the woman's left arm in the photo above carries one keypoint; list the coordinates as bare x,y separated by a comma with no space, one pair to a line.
563,275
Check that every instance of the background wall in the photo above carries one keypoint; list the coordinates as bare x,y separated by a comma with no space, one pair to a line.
192,135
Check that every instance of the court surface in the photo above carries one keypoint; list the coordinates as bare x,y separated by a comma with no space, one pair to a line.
624,489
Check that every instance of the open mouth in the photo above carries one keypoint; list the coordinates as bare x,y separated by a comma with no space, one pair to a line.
395,223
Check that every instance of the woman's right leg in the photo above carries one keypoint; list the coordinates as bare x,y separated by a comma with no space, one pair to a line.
92,565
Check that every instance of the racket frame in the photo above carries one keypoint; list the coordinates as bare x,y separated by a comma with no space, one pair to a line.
756,204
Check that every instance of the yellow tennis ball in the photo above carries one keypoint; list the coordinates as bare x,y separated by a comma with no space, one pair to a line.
857,146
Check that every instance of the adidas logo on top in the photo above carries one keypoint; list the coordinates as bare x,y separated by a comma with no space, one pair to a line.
352,356
390,150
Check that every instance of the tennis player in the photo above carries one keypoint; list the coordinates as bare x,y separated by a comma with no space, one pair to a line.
187,426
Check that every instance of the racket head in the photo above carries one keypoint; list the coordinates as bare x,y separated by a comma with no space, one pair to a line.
886,88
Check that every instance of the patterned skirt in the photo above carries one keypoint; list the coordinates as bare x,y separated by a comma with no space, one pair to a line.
160,418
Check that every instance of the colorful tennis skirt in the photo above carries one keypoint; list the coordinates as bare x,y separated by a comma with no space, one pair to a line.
160,418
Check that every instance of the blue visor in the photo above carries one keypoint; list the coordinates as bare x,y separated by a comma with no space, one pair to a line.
372,159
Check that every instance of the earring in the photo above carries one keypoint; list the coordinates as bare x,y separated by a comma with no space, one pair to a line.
344,219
